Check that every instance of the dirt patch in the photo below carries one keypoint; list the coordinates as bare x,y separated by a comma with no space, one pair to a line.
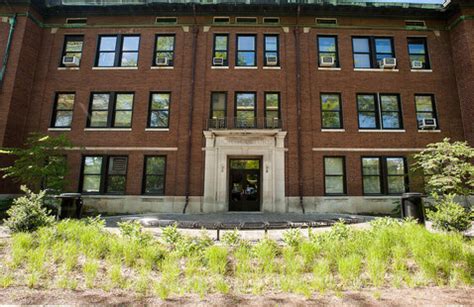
384,297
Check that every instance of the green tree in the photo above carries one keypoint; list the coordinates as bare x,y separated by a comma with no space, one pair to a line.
40,163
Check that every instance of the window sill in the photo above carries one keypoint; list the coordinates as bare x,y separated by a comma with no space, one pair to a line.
115,68
375,197
430,131
107,129
272,67
383,130
333,130
330,68
68,68
376,70
219,67
59,129
152,196
245,67
162,67
157,129
421,70
92,195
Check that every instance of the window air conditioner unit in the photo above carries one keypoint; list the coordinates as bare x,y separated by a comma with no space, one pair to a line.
428,123
327,61
416,64
71,61
272,60
388,63
218,61
162,61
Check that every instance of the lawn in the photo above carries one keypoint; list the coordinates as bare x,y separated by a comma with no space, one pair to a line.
83,256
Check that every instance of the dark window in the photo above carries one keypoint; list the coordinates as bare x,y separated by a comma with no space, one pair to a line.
118,50
425,109
418,52
331,111
63,110
334,176
111,110
271,50
73,45
164,50
369,52
104,174
272,110
159,110
218,110
327,47
154,177
221,48
381,111
246,50
245,110
384,175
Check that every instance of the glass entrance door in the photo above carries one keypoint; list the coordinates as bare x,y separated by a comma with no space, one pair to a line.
244,190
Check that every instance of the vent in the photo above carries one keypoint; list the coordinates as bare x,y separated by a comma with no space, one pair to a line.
118,166
326,21
221,20
166,20
245,19
271,20
76,21
415,23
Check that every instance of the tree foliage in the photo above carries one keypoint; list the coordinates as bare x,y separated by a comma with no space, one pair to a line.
40,163
448,167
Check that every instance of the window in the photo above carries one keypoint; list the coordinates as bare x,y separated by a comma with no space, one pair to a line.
245,110
118,51
384,175
331,111
271,50
218,110
418,52
327,47
154,177
166,20
334,176
72,47
164,50
272,110
246,50
159,110
104,174
63,109
221,47
370,51
245,19
271,20
379,111
221,20
425,109
111,110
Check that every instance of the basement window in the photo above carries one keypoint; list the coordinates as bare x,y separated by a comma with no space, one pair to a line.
76,21
221,20
326,21
166,20
415,23
246,20
271,20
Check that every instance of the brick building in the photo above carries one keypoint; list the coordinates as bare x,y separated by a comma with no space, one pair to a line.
260,105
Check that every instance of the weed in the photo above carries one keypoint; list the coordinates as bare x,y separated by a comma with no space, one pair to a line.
216,258
89,270
231,238
292,237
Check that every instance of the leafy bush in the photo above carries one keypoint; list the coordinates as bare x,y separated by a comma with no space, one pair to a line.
27,213
449,215
171,235
134,230
292,237
231,238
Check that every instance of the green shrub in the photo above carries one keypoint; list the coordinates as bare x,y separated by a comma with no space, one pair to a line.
27,213
231,238
292,237
134,230
449,215
171,235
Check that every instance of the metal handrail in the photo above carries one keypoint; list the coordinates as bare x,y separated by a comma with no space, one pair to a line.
244,123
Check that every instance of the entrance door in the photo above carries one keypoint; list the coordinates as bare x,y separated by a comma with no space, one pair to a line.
244,190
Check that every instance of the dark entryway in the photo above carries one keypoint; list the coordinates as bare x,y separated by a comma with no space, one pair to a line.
244,189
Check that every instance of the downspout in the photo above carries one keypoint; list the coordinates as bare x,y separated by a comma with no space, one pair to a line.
191,105
12,21
296,32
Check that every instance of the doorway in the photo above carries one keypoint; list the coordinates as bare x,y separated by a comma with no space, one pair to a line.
245,182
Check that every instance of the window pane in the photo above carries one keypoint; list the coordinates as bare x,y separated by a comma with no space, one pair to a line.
246,59
130,43
160,101
367,120
159,119
395,166
65,102
221,55
424,104
389,103
390,120
92,165
124,102
218,102
129,59
327,44
246,101
360,44
414,48
74,46
366,102
362,60
246,42
106,59
271,43
383,45
370,166
331,120
99,118
271,101
63,119
91,184
396,184
116,184
330,102
155,165
100,101
123,119
334,184
221,43
108,43
372,185
154,185
333,166
165,43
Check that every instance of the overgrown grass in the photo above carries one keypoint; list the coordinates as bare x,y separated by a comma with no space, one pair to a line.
82,255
